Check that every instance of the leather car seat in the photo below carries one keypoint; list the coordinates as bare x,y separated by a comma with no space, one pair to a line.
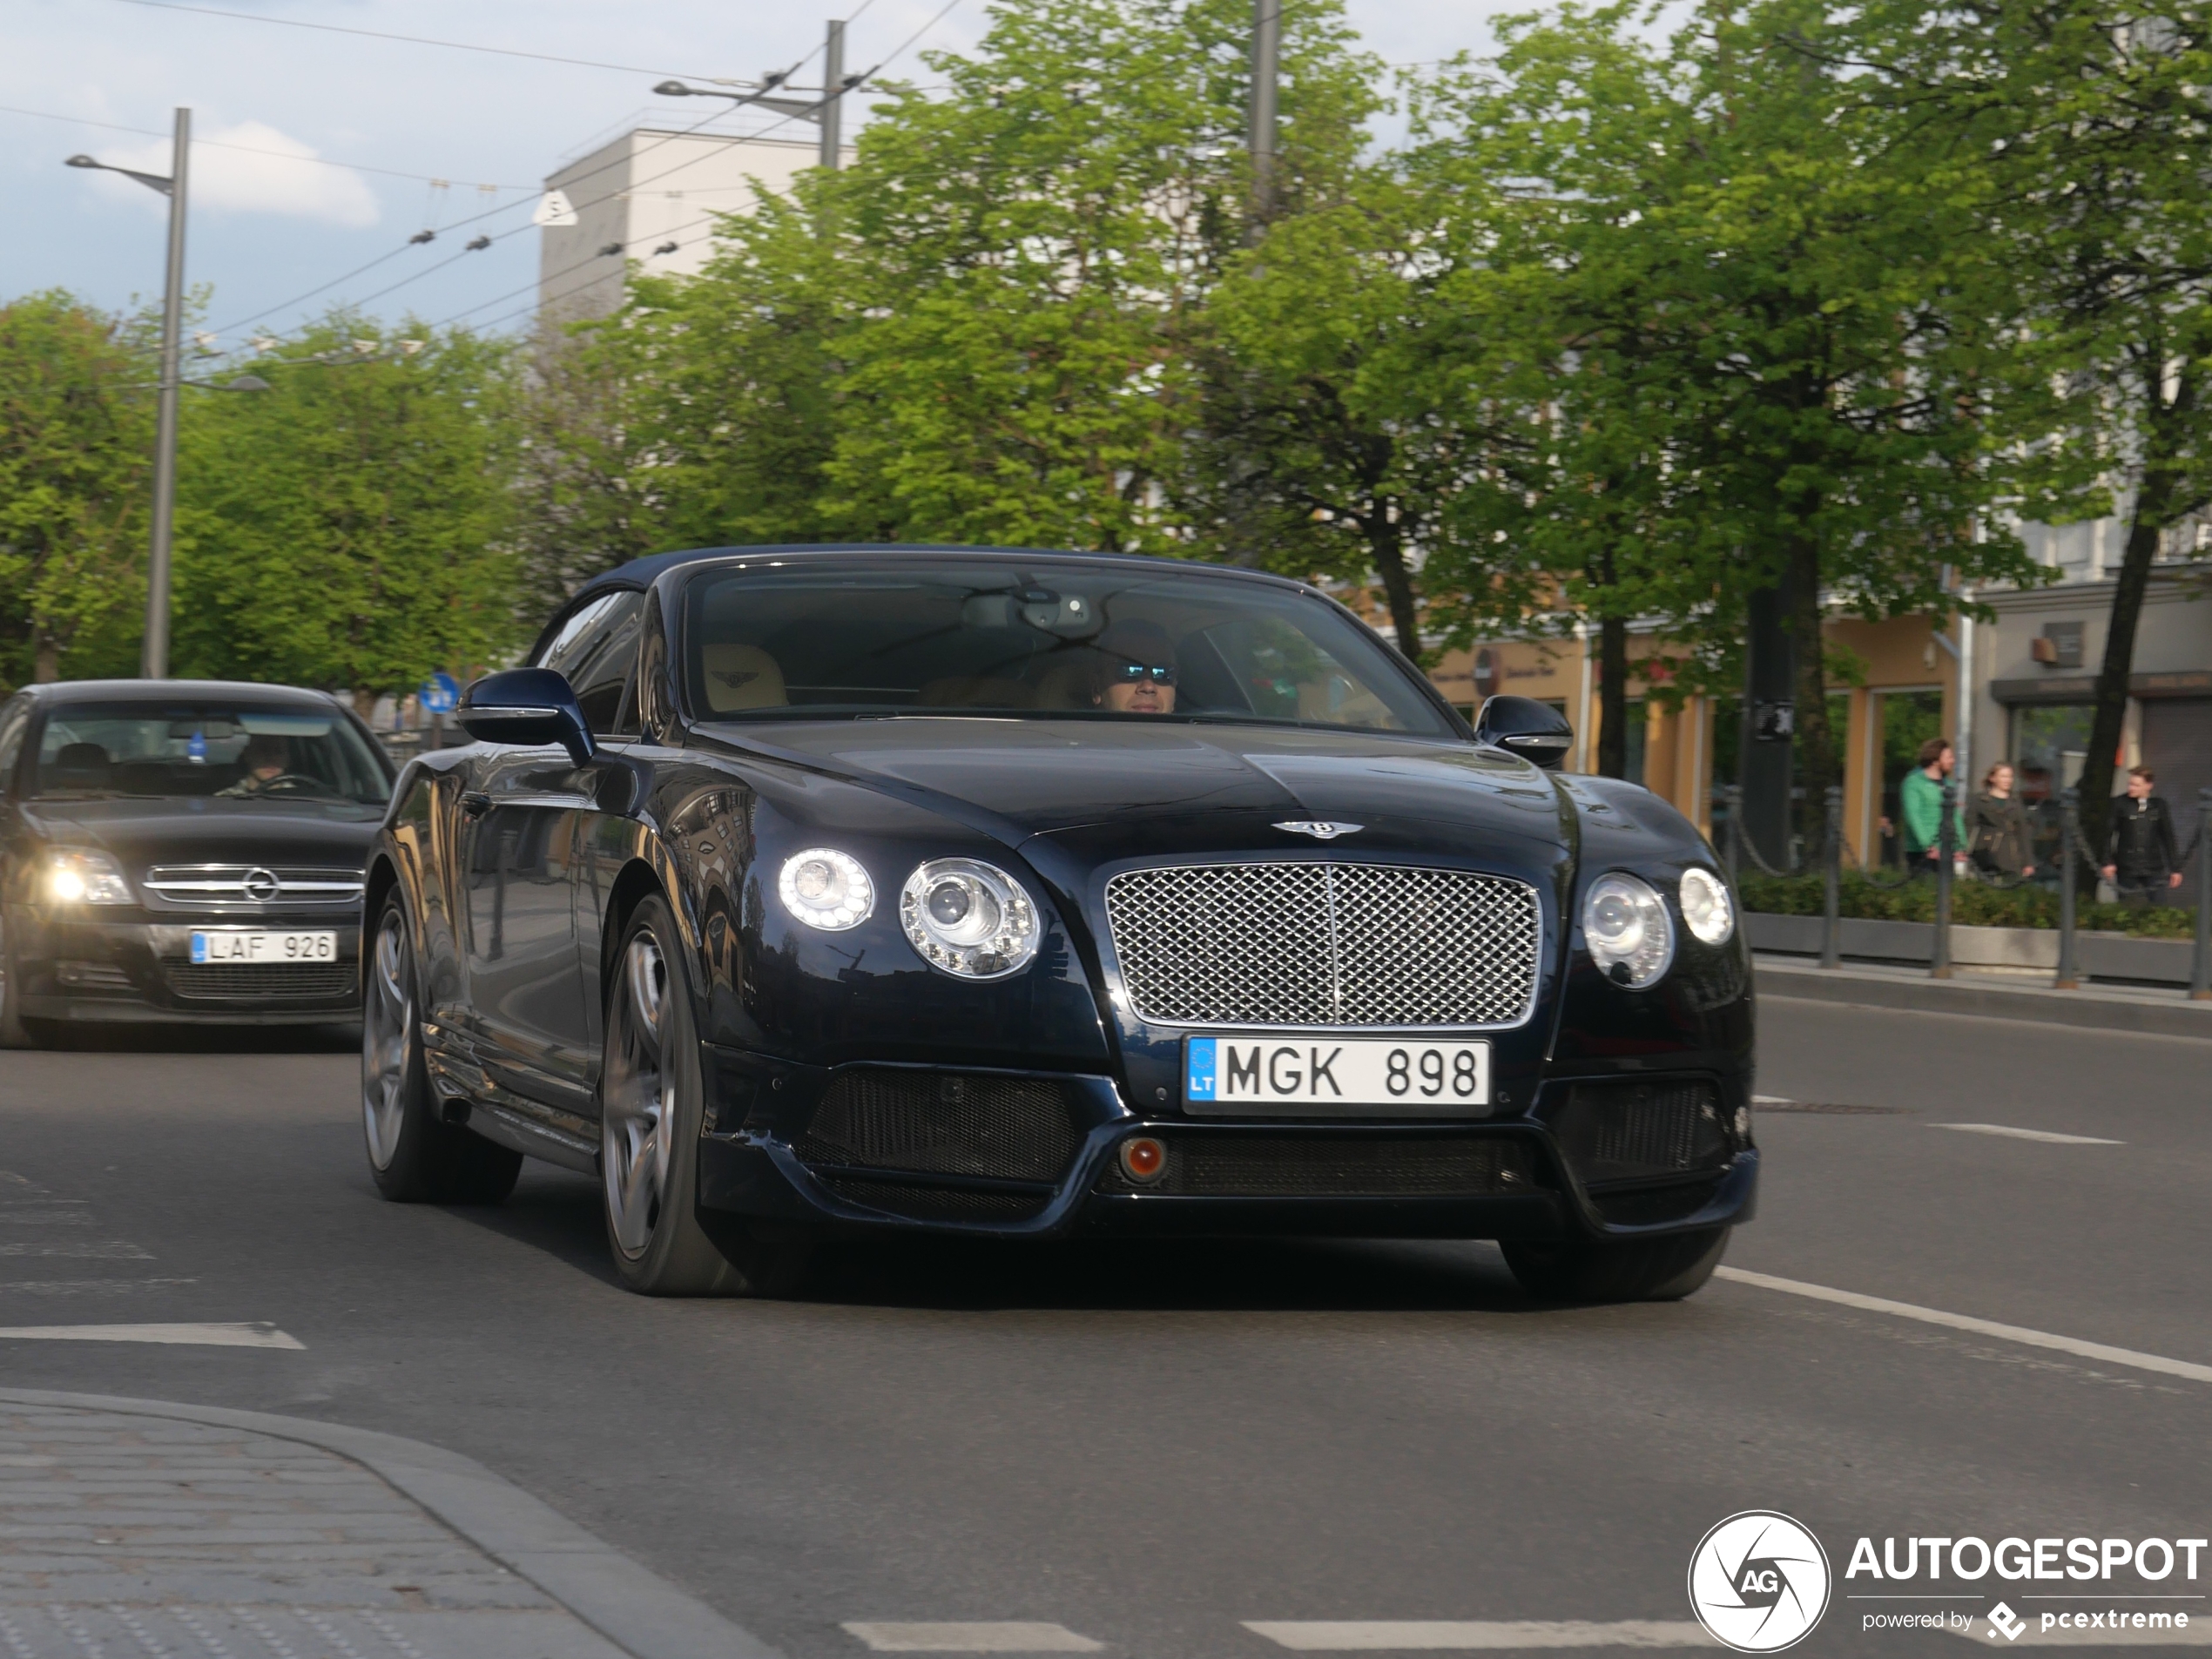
741,677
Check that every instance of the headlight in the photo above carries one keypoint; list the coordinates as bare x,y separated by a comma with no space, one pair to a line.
85,878
1625,923
825,889
969,919
1706,906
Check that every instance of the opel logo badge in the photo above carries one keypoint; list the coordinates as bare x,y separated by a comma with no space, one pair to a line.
261,886
1320,828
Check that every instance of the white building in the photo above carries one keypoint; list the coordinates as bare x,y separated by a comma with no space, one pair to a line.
651,198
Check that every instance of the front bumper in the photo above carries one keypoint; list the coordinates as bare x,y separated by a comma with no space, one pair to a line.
88,970
1535,1175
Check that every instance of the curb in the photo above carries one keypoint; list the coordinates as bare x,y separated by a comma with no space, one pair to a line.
640,1613
2038,1006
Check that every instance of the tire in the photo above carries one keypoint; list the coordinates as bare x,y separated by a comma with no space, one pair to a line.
1642,1269
16,1032
413,1157
651,1110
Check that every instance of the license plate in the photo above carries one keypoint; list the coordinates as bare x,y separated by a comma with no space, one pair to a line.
263,945
1317,1073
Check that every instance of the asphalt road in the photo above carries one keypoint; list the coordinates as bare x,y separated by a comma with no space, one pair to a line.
1152,1445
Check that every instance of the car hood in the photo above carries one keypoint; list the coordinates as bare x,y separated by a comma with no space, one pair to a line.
1108,791
212,829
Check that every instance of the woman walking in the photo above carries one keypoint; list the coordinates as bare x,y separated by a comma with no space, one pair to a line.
1997,833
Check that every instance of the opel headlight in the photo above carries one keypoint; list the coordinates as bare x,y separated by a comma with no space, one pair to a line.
74,877
969,919
825,889
1626,925
1706,906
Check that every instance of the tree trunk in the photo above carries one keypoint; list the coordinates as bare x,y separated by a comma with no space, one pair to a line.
1613,697
1818,765
2111,717
365,705
46,659
1389,550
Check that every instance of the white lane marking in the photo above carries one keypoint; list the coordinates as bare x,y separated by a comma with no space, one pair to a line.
1772,1100
110,1250
2020,1334
1402,1636
258,1335
2029,1134
1000,1636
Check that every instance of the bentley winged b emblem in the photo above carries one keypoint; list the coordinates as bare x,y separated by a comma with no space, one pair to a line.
1320,828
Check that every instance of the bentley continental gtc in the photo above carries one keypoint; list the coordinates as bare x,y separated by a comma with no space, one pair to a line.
877,891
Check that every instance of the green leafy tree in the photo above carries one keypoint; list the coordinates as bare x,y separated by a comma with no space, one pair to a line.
347,528
1771,334
76,449
2086,121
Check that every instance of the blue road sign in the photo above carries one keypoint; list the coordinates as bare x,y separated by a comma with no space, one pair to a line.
441,694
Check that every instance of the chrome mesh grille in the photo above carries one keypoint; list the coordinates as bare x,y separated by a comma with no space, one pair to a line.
1371,945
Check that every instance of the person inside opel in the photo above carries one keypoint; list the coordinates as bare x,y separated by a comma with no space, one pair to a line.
1136,672
264,759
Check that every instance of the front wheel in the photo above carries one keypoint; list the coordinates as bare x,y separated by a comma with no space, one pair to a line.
652,1110
413,1157
1636,1269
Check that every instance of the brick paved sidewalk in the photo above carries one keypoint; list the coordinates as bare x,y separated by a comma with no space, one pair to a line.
154,1538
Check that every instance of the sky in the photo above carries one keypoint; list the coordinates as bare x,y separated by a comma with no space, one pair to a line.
317,153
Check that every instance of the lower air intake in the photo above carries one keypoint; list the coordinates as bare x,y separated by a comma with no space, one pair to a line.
932,1123
1236,1166
275,980
1640,1131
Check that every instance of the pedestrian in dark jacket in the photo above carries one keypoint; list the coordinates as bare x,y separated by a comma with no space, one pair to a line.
2142,861
1997,833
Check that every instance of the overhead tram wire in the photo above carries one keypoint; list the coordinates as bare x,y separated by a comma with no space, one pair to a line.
251,149
488,213
541,280
378,34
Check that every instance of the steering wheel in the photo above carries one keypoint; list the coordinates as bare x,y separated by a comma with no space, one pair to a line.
288,783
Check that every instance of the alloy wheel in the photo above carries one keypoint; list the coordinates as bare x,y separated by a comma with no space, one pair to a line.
637,1133
387,1024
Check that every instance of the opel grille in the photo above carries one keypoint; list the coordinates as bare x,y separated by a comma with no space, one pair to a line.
197,885
1371,945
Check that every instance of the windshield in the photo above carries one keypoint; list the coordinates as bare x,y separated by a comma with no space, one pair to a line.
191,747
1054,641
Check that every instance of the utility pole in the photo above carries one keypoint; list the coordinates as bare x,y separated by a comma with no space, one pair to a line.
1267,51
153,662
833,95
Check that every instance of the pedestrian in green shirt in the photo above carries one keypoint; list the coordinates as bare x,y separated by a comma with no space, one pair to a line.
1920,800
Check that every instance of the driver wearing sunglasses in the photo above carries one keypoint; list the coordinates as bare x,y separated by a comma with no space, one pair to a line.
1137,673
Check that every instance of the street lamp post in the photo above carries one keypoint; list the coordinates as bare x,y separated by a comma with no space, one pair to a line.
154,662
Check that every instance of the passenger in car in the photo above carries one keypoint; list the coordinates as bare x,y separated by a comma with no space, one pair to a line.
1136,672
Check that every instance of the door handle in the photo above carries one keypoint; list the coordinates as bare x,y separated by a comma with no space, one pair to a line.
475,804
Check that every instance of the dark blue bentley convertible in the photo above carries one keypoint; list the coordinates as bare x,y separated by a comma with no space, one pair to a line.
805,891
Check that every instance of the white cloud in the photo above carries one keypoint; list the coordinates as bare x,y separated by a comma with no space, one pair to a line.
251,167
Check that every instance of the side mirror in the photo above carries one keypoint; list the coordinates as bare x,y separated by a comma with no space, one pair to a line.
1521,725
527,707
